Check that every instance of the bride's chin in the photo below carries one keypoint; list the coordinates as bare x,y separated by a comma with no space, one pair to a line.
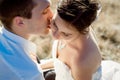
54,37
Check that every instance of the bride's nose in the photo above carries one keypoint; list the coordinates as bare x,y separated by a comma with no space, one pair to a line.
55,34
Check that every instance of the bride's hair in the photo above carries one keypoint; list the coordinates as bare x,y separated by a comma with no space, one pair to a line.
79,13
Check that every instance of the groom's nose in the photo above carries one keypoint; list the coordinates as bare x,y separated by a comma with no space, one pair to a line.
50,14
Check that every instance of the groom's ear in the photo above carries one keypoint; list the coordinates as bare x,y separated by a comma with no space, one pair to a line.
18,21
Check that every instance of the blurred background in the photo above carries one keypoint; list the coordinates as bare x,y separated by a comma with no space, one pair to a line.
106,27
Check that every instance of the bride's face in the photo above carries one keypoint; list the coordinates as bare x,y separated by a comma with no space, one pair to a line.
63,30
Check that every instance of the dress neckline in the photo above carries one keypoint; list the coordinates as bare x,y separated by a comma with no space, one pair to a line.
55,54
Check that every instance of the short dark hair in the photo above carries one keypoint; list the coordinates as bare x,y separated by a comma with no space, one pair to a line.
79,13
9,9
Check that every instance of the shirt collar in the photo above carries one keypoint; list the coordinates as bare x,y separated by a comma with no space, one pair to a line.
26,44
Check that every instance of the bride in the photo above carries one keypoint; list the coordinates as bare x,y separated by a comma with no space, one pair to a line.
76,55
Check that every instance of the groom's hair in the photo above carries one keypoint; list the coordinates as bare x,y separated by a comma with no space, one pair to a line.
9,9
79,13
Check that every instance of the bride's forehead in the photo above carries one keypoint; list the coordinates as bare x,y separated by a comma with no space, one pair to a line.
59,20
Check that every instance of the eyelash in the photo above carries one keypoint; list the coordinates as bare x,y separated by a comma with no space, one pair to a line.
64,34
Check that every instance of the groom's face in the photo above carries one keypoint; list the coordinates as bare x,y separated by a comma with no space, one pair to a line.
41,16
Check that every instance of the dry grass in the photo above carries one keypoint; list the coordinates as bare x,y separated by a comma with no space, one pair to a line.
106,27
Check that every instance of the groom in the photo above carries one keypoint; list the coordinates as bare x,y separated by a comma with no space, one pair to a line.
21,19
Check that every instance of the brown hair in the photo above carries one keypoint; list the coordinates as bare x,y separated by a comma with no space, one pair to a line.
79,13
12,8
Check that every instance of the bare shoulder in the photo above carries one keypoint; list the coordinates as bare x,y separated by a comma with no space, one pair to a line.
83,61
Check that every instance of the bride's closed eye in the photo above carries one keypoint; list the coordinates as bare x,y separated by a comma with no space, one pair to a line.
65,35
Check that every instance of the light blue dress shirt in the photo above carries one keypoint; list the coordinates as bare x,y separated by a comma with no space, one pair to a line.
15,63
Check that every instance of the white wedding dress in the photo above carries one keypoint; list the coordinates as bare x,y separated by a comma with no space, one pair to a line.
109,70
62,70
